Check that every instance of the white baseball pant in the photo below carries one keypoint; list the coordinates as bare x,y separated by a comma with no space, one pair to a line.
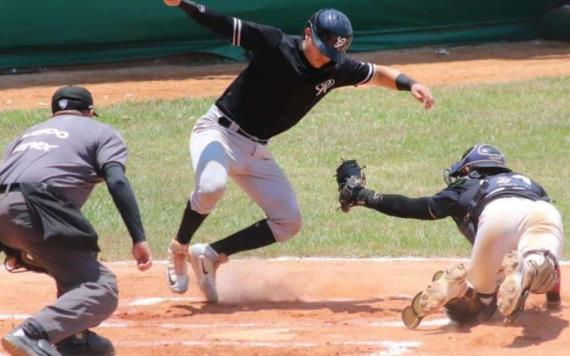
508,224
218,152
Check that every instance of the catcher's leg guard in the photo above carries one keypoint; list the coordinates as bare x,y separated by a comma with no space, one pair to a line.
446,285
535,271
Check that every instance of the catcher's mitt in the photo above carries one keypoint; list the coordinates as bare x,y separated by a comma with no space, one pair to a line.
351,180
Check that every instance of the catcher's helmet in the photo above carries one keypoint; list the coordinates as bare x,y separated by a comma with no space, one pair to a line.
332,33
478,156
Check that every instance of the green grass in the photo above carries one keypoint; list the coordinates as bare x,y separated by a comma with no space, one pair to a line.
404,147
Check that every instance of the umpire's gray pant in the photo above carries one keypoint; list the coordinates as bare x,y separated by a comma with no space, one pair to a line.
87,290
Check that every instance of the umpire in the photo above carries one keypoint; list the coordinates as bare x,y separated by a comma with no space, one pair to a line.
46,176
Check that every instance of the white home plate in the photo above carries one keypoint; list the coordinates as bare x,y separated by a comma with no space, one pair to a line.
157,300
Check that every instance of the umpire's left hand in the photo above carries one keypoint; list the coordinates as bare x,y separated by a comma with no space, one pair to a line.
142,255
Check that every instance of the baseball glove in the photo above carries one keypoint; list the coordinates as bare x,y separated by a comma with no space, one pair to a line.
351,180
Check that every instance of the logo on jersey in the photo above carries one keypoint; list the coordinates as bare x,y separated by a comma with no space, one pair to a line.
34,145
324,86
62,135
340,42
512,180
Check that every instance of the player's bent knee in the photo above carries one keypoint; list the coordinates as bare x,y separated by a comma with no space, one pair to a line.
216,186
106,292
211,195
544,263
205,197
284,230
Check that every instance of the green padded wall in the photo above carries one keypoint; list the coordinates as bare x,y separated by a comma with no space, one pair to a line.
41,33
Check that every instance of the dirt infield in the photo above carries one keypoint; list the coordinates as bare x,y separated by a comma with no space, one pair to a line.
291,306
295,307
175,78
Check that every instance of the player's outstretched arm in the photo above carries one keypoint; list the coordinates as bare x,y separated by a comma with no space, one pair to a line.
396,205
246,34
125,201
394,79
352,192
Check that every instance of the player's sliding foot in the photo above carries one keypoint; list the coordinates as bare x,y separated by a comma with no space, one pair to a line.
450,285
451,279
514,290
205,260
177,267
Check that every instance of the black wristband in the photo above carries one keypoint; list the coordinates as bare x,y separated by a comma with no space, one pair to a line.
403,82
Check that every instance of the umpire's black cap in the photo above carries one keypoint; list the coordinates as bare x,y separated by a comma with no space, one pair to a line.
71,98
332,33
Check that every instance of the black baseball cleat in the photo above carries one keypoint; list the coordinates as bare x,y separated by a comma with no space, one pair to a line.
86,343
21,343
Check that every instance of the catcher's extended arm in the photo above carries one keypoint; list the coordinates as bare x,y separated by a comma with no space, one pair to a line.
351,180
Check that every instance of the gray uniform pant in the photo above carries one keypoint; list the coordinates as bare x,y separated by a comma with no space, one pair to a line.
218,153
86,290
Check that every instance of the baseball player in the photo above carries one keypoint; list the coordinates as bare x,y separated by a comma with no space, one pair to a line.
286,77
517,236
46,175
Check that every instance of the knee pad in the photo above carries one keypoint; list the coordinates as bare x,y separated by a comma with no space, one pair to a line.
544,266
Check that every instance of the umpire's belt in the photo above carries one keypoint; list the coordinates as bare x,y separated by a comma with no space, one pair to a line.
229,124
7,188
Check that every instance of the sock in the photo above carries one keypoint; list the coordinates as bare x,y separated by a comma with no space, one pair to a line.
252,237
191,221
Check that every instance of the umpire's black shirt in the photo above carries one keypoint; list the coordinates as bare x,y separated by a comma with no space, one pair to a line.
279,86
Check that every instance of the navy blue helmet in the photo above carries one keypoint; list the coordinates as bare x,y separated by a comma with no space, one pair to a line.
478,156
332,33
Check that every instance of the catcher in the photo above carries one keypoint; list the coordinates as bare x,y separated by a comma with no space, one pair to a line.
516,234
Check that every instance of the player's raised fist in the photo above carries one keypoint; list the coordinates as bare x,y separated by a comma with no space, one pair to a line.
172,2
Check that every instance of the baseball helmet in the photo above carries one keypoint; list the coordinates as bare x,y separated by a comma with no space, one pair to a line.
332,33
476,157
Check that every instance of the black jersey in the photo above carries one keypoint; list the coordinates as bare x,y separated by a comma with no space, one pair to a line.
279,86
465,199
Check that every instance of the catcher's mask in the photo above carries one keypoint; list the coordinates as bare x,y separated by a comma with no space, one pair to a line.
476,157
332,33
